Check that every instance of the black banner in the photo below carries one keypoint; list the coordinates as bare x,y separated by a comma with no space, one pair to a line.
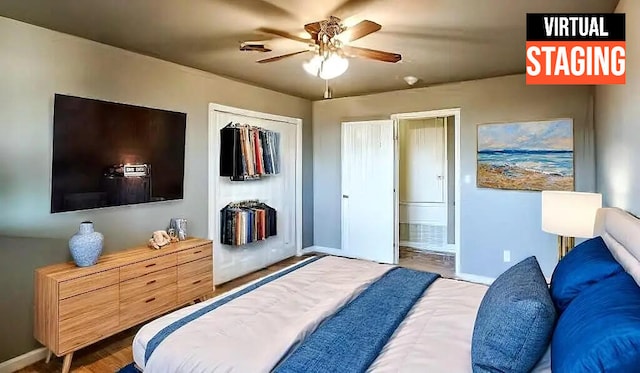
575,27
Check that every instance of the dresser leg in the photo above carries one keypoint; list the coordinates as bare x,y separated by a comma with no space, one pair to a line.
48,359
66,366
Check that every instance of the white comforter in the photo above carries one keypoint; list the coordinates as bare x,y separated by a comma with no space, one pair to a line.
437,331
252,333
436,334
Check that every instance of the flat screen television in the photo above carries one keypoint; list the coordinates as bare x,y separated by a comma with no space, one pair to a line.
111,154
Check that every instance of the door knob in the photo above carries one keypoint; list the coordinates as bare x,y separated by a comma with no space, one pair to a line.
345,196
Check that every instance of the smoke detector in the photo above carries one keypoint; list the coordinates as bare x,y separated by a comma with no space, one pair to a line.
410,79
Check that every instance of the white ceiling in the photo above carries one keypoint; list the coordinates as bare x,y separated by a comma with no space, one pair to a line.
440,40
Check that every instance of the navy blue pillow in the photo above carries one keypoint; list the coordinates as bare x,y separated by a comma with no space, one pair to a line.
514,322
585,265
600,330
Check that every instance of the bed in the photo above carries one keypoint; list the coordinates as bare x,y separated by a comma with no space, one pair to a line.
264,325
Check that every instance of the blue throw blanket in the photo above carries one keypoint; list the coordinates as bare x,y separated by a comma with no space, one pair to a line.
351,339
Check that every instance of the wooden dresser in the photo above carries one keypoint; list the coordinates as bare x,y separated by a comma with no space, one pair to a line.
75,307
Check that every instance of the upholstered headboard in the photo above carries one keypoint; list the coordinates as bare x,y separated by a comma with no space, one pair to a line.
621,232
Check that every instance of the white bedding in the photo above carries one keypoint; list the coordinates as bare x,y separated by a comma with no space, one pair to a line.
435,336
255,331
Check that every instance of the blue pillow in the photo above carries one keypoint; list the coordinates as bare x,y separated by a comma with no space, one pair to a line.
585,265
514,322
600,330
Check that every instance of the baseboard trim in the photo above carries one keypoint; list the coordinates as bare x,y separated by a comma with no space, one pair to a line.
325,250
475,278
23,360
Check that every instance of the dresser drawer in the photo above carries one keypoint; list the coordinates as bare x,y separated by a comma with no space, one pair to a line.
194,287
194,254
135,310
147,266
147,284
85,284
199,266
86,318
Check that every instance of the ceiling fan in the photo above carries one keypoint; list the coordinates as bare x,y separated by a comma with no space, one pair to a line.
329,42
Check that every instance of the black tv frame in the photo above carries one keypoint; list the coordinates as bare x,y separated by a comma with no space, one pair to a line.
92,141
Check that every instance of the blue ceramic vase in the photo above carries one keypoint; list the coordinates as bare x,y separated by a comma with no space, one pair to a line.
86,245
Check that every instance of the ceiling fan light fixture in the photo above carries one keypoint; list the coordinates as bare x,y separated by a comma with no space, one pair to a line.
327,68
333,67
312,67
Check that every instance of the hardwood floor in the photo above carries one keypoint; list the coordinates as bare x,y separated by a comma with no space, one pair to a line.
115,352
430,261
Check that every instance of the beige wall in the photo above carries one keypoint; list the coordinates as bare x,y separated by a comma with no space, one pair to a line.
491,220
35,63
617,123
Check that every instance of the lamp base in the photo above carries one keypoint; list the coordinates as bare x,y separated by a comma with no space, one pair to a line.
564,245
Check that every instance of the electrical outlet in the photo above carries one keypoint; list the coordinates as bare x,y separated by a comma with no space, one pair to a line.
506,256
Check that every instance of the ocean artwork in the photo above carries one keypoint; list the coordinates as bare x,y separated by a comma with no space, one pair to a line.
526,155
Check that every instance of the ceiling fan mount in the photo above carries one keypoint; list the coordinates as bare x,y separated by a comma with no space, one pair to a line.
329,29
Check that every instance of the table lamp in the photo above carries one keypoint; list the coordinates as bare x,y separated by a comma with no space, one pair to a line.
569,215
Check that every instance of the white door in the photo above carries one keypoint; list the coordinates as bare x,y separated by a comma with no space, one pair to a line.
367,190
423,161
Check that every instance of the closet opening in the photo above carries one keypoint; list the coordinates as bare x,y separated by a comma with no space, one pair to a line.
427,219
255,190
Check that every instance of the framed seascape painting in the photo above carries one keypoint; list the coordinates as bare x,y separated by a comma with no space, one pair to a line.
526,155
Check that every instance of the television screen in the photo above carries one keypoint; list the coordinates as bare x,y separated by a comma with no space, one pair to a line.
110,154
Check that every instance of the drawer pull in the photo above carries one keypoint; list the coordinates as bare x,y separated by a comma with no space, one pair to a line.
151,282
150,265
197,252
197,282
150,300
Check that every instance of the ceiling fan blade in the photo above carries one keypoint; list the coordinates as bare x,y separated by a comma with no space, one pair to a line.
278,58
312,28
285,34
372,54
358,31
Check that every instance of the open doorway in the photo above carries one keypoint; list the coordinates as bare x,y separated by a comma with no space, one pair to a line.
426,223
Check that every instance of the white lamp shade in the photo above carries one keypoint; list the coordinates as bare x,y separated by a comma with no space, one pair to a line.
312,66
326,68
570,214
333,67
